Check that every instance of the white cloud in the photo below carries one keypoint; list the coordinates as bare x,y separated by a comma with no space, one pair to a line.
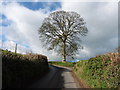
10,45
62,0
24,27
101,21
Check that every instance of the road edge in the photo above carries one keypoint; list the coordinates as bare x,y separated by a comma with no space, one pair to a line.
81,83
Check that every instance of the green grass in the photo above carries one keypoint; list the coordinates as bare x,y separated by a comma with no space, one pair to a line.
66,64
102,71
98,72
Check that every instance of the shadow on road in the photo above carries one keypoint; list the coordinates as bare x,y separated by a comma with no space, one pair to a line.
53,79
58,77
58,80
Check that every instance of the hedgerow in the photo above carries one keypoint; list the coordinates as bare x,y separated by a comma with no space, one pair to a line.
101,71
18,69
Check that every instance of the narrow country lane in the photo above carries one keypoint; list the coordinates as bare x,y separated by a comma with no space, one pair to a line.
58,77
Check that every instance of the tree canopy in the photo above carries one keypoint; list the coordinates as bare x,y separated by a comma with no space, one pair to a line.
61,31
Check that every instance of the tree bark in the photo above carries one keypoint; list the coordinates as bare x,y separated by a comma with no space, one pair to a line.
64,52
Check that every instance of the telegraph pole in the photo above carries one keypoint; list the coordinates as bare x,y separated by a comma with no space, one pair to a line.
16,48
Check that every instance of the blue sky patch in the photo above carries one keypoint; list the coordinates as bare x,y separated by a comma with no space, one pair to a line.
41,5
2,16
22,44
5,22
3,38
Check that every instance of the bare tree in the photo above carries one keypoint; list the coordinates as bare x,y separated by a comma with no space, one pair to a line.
61,31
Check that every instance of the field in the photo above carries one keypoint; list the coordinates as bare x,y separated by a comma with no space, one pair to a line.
66,64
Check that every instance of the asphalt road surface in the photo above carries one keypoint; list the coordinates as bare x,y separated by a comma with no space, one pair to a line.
58,77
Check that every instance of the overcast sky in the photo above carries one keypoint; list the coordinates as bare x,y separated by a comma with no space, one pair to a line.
20,22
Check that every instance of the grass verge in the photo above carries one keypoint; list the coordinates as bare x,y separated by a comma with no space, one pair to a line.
99,72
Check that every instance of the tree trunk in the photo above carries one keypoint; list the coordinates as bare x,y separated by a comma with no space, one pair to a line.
64,52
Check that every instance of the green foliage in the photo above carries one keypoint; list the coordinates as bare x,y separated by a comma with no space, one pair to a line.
17,70
99,72
66,64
